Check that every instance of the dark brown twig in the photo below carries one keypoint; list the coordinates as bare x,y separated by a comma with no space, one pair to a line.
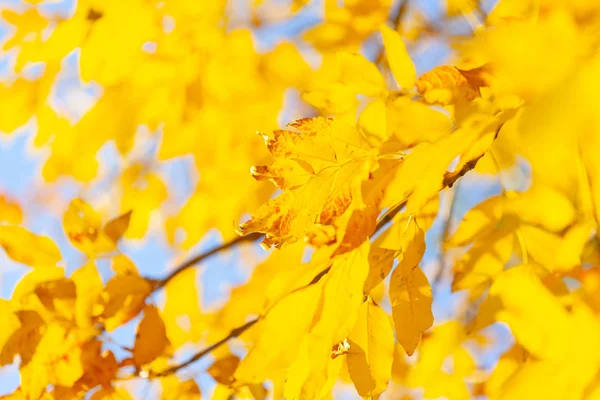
252,237
233,334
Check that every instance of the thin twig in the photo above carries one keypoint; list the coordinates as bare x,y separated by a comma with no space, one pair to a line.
252,237
233,334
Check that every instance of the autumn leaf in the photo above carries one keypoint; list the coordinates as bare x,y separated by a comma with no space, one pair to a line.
400,63
381,262
57,360
182,316
320,166
316,368
115,228
222,370
89,287
410,293
474,129
174,388
111,393
274,349
10,211
28,248
447,84
84,228
151,337
371,351
122,299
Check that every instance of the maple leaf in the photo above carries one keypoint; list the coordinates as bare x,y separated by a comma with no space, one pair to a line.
320,166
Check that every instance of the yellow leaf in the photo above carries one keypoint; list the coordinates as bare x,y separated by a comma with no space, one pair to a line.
111,393
460,7
121,265
348,24
282,331
314,372
400,63
116,227
399,364
483,261
557,252
123,298
182,315
342,295
100,367
532,206
82,224
56,361
143,192
89,286
441,346
410,293
31,280
10,324
30,21
446,84
28,248
316,368
424,171
10,211
507,365
222,370
360,75
372,122
411,122
320,167
173,388
381,262
151,337
537,319
479,222
24,340
271,280
371,351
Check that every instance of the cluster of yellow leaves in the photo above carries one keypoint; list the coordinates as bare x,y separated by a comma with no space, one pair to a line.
185,90
359,186
499,88
54,324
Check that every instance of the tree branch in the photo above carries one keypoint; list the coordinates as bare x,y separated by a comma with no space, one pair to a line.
233,334
158,284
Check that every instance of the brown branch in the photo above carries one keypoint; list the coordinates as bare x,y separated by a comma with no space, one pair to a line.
233,334
252,237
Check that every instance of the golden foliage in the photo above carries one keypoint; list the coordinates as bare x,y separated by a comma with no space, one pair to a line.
416,213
